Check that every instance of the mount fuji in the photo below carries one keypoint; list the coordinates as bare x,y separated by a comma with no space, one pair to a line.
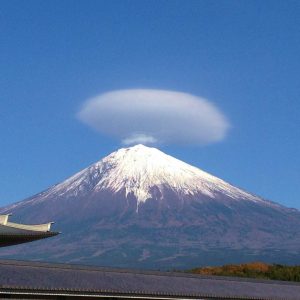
141,208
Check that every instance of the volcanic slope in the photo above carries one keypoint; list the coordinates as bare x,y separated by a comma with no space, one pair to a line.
139,207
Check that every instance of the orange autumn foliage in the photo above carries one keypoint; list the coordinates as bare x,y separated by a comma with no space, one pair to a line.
238,270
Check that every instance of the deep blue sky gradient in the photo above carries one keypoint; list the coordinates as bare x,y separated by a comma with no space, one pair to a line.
242,55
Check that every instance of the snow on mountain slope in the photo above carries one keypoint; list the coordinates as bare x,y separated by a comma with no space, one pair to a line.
139,168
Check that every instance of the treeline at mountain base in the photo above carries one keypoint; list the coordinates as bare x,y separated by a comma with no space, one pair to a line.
253,270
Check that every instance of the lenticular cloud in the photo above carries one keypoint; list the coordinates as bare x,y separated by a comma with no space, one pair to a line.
155,116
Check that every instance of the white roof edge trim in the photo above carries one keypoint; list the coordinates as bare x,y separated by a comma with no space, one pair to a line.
40,227
4,219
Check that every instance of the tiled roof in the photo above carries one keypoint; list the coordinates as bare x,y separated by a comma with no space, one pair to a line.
61,277
15,233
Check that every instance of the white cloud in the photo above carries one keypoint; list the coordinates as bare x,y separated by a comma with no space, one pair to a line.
155,116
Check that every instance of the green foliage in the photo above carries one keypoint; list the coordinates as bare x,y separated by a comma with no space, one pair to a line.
254,270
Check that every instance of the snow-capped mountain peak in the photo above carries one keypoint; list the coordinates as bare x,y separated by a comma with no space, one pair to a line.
136,170
140,206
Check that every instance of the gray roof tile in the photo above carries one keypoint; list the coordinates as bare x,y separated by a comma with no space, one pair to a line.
46,276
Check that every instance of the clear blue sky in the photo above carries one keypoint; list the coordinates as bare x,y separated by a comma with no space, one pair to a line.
242,55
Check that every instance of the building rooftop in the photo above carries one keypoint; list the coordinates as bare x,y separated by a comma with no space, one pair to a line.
14,233
34,277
